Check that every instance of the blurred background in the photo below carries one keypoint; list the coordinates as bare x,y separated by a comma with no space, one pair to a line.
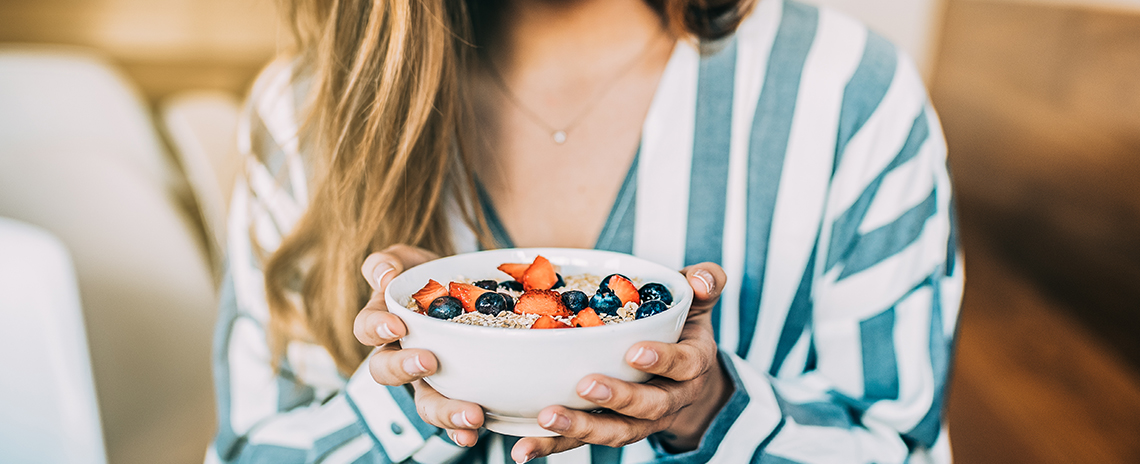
120,168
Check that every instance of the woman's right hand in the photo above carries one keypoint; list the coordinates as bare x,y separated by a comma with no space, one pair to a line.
391,365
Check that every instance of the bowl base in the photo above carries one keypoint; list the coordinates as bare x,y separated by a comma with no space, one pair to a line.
515,426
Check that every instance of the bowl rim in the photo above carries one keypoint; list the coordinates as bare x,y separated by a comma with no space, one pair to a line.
683,303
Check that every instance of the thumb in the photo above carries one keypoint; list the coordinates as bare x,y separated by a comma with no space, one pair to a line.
707,280
380,268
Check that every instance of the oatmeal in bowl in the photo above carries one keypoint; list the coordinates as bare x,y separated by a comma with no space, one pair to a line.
537,296
485,336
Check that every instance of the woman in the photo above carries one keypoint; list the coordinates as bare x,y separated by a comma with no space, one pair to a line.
785,143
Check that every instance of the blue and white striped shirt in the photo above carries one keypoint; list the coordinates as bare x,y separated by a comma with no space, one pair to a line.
801,154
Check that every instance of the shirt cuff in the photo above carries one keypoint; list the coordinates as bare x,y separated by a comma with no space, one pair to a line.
746,423
389,414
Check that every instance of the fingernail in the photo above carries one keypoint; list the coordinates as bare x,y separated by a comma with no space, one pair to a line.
597,392
526,458
460,418
557,423
380,271
644,357
413,366
705,277
454,438
385,332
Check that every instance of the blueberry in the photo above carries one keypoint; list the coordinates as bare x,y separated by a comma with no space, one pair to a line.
605,285
650,308
510,300
491,303
445,307
560,282
487,285
511,285
605,302
655,291
575,301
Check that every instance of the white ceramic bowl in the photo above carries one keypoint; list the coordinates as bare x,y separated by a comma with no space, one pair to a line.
515,373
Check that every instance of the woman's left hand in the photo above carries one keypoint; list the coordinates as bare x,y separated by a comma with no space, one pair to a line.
688,390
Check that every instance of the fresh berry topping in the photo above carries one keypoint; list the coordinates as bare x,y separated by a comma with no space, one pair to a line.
515,270
540,275
561,283
429,293
513,285
491,303
624,289
445,307
543,302
605,302
587,318
575,301
466,293
650,308
605,285
655,291
547,322
487,285
509,300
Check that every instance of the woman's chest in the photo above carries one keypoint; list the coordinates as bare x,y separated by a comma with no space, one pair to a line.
547,193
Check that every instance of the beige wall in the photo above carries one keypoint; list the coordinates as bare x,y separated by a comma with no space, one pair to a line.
914,25
149,29
1130,5
164,45
171,45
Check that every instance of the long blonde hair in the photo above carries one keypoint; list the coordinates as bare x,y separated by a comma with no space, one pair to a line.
386,129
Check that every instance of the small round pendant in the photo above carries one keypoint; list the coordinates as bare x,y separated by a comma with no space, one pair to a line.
559,137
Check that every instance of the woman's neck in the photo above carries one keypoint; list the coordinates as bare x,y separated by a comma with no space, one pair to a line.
560,94
570,40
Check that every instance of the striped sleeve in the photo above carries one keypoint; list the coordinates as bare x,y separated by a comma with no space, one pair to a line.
275,416
858,359
865,382
303,411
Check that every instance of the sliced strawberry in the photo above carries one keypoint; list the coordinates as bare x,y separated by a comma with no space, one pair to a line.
428,294
587,318
515,270
540,275
466,293
547,322
543,302
624,289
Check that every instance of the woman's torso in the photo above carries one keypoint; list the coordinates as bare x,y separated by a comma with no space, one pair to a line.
735,162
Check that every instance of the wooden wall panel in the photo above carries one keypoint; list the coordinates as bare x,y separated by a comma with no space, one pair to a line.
1041,109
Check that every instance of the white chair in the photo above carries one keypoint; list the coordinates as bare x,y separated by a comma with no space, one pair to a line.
202,127
48,412
80,157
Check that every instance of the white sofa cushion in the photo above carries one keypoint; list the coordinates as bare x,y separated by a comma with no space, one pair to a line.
80,157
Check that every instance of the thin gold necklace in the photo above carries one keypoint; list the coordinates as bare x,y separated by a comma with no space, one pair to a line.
559,135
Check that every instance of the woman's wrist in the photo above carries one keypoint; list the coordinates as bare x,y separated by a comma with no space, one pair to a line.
693,421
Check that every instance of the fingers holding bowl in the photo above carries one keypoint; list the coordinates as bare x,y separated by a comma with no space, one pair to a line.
380,268
707,280
528,449
461,418
634,410
393,366
374,326
652,400
580,427
687,359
